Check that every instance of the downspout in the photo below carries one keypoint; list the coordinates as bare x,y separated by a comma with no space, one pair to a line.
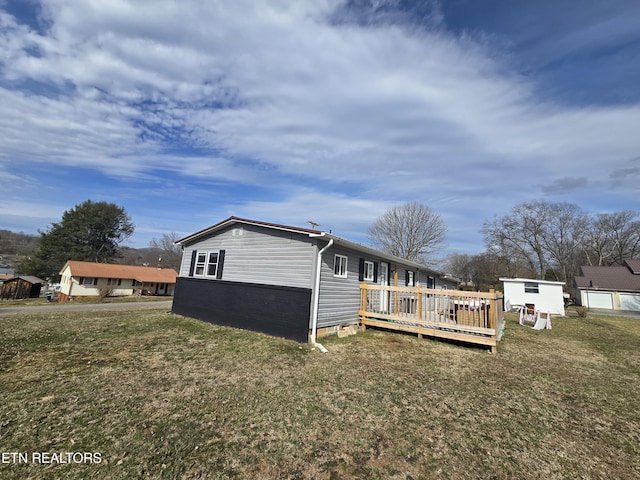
316,298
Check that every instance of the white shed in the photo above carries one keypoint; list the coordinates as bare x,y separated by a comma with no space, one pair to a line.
545,295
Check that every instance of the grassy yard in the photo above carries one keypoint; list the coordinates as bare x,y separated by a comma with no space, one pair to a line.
41,300
162,396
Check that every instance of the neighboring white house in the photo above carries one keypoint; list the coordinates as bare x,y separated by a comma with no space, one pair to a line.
546,296
86,279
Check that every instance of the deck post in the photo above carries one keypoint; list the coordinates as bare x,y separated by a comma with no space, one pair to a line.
493,310
363,304
395,284
363,296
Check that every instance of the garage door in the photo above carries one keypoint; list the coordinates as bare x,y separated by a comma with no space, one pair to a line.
599,300
630,301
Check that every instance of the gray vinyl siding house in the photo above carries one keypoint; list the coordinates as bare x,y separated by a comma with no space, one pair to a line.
281,280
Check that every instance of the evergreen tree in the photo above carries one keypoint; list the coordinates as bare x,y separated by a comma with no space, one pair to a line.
92,231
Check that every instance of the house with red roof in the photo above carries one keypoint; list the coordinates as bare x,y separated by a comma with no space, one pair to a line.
612,288
89,279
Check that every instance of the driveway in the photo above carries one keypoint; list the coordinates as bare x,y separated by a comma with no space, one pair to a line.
86,307
616,313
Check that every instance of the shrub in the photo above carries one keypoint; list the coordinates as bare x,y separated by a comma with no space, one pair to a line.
582,312
104,292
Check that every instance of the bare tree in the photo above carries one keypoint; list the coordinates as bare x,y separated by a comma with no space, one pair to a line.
519,234
625,233
104,292
411,231
563,236
547,235
483,271
612,237
459,265
597,243
169,254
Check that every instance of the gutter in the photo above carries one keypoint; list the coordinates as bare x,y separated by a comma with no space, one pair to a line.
316,298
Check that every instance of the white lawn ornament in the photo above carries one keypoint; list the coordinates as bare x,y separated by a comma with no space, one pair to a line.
540,322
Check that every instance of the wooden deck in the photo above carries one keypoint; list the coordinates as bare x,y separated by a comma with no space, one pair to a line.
472,317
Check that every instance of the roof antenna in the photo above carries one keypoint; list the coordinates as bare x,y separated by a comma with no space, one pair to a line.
313,224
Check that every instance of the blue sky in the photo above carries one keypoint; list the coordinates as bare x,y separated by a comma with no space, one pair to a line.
187,112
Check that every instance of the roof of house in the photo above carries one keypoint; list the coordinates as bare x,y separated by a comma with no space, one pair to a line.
634,265
233,220
110,270
312,233
620,278
27,278
6,276
530,280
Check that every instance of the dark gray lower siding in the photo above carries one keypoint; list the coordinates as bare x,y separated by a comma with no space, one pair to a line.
278,311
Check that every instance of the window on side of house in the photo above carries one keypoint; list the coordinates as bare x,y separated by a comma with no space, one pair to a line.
89,281
212,264
369,275
201,262
531,287
340,266
207,264
410,279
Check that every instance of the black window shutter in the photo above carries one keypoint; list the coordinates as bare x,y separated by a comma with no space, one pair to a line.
220,264
406,278
361,270
192,267
375,272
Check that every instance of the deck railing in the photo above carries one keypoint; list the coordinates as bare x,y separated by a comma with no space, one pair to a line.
474,317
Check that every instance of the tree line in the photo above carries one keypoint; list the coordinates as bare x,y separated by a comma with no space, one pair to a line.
538,239
12,243
548,240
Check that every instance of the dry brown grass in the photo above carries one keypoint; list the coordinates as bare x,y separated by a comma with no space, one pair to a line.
161,396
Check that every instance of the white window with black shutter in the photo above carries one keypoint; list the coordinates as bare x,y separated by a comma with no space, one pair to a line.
207,264
368,271
410,280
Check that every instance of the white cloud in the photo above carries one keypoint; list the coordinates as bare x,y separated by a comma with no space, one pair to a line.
275,94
